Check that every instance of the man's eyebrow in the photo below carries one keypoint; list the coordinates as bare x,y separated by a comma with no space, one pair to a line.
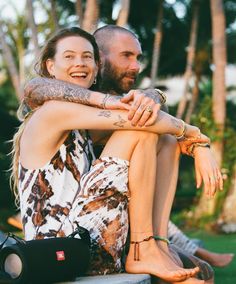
129,52
68,50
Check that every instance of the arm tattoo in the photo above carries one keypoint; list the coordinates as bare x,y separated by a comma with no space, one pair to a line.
39,90
177,123
105,113
120,123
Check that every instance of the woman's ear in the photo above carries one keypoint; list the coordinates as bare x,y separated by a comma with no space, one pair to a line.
50,67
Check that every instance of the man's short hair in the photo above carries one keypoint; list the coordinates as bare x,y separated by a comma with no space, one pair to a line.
105,35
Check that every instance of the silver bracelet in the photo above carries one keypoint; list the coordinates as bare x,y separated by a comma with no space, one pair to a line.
162,96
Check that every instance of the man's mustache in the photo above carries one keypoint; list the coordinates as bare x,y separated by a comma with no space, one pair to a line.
132,75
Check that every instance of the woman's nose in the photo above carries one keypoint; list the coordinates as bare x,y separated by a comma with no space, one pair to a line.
79,61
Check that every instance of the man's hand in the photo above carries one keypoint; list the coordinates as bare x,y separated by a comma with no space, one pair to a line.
144,106
207,170
113,102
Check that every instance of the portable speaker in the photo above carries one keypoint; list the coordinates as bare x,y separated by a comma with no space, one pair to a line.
47,260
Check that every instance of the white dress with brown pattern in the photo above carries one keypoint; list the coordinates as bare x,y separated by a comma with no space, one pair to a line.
68,191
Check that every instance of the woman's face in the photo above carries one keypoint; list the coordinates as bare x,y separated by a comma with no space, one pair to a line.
74,61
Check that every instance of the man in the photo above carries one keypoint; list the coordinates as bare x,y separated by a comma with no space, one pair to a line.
120,68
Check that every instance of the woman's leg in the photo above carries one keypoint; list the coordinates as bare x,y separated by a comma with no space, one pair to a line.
142,177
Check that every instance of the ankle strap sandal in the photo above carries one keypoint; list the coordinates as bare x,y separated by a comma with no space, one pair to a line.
136,244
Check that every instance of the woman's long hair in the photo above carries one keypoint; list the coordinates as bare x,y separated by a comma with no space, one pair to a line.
24,112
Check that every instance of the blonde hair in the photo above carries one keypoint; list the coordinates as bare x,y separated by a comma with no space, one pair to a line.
15,152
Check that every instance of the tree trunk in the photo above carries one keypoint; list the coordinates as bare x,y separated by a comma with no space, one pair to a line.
10,63
190,59
91,16
33,27
123,14
219,93
194,99
54,15
228,216
79,12
157,45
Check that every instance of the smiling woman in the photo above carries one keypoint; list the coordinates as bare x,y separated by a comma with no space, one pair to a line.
74,62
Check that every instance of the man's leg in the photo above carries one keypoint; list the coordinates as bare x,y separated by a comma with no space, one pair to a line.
168,154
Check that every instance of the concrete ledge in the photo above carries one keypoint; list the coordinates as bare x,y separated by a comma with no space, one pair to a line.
122,278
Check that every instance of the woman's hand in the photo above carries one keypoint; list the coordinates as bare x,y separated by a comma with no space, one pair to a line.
207,171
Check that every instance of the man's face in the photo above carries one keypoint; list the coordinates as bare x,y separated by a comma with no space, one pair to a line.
120,67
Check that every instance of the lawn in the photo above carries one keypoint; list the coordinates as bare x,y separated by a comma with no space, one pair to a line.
220,243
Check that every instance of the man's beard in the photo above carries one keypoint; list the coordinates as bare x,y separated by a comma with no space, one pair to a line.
112,80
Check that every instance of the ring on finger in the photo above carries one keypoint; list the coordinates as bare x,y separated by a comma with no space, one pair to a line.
149,109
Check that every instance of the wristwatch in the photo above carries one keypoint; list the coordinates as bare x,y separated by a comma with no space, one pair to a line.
162,96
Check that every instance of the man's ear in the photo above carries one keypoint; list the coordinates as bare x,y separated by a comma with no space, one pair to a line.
102,58
50,66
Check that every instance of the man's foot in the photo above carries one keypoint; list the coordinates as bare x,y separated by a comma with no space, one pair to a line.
215,259
156,262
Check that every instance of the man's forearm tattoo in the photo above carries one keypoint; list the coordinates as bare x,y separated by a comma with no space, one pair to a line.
121,122
39,90
105,113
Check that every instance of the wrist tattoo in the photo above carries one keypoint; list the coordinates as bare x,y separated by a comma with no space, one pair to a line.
121,122
105,113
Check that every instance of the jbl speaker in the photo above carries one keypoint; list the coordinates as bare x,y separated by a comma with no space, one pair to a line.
45,261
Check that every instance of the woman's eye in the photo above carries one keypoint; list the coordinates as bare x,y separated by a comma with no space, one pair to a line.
68,56
88,56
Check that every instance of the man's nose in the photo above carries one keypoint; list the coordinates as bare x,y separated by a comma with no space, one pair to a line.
135,66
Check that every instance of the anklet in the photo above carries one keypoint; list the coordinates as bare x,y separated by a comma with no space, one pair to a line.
158,238
136,247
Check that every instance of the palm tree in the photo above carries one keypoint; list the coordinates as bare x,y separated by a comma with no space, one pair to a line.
79,11
219,94
157,45
123,14
54,15
9,61
190,58
91,15
32,25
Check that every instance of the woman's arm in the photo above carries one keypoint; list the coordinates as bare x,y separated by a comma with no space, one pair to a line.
76,116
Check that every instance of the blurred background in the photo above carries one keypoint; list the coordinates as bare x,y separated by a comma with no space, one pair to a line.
189,51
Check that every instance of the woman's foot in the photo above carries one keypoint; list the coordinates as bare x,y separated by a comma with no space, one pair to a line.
154,261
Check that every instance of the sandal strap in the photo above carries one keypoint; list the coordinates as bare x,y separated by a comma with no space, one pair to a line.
163,239
136,246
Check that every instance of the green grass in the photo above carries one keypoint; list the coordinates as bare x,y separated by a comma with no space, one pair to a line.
222,244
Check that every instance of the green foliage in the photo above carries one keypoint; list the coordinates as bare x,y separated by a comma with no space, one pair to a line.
8,103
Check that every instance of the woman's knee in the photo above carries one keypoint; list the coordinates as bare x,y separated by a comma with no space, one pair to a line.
123,142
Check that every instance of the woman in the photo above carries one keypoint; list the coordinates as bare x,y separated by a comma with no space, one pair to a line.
59,190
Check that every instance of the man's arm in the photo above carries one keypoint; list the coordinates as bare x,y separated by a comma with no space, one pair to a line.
39,90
